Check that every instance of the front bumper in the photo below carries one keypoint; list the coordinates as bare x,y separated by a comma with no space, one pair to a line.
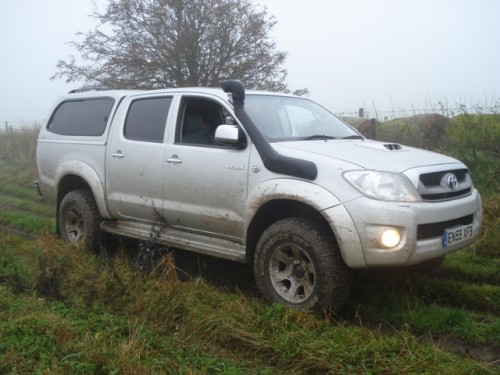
370,217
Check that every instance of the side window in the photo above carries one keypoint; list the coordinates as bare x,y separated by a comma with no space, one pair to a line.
86,117
198,120
146,119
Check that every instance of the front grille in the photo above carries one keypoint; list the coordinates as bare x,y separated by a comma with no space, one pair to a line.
433,186
434,178
431,230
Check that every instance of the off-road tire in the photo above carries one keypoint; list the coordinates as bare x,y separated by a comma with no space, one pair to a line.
298,263
79,220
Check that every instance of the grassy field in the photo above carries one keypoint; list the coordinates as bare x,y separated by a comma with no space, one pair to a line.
68,312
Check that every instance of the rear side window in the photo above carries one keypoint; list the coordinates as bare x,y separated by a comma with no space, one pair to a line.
86,117
146,119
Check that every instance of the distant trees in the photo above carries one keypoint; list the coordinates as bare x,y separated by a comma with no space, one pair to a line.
174,43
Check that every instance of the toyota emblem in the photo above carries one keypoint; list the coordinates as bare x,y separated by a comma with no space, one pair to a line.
452,181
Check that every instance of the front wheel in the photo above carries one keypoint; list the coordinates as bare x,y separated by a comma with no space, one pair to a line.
298,263
79,219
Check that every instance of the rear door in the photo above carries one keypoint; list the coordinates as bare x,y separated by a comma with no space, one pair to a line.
205,183
136,157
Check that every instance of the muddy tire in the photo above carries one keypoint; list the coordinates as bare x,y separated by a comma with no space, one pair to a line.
79,220
298,263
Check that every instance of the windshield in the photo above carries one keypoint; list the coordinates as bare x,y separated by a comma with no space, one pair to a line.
282,118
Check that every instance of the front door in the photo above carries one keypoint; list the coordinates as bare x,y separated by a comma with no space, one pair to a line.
205,183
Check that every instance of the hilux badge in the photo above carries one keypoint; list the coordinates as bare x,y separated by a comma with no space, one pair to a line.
452,181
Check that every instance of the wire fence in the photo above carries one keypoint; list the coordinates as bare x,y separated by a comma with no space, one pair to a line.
440,110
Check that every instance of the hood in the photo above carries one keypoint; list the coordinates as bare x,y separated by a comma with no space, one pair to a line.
366,154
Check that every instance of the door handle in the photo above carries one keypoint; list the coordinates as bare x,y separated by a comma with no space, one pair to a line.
174,159
118,154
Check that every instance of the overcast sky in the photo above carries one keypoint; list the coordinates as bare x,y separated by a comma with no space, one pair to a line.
384,54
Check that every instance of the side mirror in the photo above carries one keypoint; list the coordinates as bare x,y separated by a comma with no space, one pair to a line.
229,135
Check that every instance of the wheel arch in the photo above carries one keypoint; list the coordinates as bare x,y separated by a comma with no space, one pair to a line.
76,175
275,210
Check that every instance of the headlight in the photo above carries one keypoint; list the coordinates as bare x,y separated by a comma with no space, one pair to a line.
385,186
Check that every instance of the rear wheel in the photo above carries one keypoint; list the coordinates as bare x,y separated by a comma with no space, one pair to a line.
79,219
298,263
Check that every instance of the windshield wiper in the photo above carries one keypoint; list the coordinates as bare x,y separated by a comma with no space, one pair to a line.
317,136
353,137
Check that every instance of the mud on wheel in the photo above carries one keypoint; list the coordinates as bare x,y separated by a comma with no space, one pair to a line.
297,263
79,219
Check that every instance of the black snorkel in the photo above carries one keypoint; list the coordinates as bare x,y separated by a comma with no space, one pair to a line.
272,160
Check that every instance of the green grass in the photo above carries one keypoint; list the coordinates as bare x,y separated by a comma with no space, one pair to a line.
57,338
20,205
64,311
467,266
102,316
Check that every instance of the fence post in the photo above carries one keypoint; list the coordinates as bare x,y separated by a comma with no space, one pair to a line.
373,126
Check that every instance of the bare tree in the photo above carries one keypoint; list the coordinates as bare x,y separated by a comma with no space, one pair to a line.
176,43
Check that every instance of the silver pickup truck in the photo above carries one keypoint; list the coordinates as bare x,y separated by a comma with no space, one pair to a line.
258,177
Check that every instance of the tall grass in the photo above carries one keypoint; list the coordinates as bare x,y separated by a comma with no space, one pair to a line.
476,139
95,316
20,205
18,153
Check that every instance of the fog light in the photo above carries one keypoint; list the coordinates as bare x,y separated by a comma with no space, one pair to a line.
390,238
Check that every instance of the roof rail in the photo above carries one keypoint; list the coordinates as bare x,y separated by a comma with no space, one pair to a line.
90,88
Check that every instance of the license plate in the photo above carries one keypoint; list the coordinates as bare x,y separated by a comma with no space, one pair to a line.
455,235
